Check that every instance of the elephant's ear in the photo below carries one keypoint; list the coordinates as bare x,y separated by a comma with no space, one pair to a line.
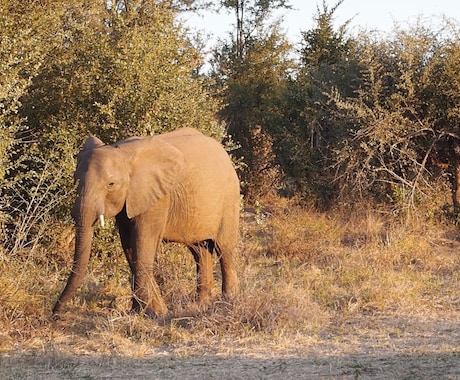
157,168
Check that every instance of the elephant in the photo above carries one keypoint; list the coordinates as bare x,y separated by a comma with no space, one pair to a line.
180,187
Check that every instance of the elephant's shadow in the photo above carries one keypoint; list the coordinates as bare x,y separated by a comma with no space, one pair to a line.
114,315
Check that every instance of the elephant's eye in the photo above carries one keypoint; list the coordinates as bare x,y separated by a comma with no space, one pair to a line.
110,185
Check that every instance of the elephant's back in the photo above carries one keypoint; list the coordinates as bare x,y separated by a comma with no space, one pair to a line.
205,157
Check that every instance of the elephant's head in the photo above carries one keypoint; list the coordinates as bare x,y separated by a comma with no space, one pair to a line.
131,174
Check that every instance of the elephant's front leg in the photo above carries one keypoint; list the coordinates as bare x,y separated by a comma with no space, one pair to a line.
147,295
205,277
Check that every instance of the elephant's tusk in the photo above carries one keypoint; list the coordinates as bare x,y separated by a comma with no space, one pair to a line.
101,219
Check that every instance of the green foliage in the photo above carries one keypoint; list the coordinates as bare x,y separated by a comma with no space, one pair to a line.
251,73
356,117
253,88
21,59
323,45
251,17
88,69
121,73
310,133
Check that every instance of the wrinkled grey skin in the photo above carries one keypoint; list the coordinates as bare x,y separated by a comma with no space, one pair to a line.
178,187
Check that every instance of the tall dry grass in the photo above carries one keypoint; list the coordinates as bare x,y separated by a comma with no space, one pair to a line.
300,271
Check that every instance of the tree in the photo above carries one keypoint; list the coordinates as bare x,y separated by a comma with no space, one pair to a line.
26,38
251,70
121,73
108,71
253,91
251,17
310,136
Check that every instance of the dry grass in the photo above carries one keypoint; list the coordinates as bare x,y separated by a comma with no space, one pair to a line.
303,274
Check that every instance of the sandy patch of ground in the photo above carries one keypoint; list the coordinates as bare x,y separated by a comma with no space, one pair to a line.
373,347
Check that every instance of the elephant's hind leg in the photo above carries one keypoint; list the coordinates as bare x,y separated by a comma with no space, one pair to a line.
226,254
226,248
204,264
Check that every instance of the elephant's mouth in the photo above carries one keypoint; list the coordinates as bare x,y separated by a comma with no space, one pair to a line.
99,220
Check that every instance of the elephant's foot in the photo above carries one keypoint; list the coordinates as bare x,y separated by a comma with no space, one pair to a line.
204,302
231,293
153,314
230,286
152,311
205,294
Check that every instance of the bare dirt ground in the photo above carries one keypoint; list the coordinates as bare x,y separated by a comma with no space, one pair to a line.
373,347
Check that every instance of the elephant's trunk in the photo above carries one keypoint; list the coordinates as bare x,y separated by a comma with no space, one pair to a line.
84,237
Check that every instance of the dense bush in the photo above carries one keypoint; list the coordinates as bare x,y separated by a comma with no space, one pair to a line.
356,117
87,69
408,96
